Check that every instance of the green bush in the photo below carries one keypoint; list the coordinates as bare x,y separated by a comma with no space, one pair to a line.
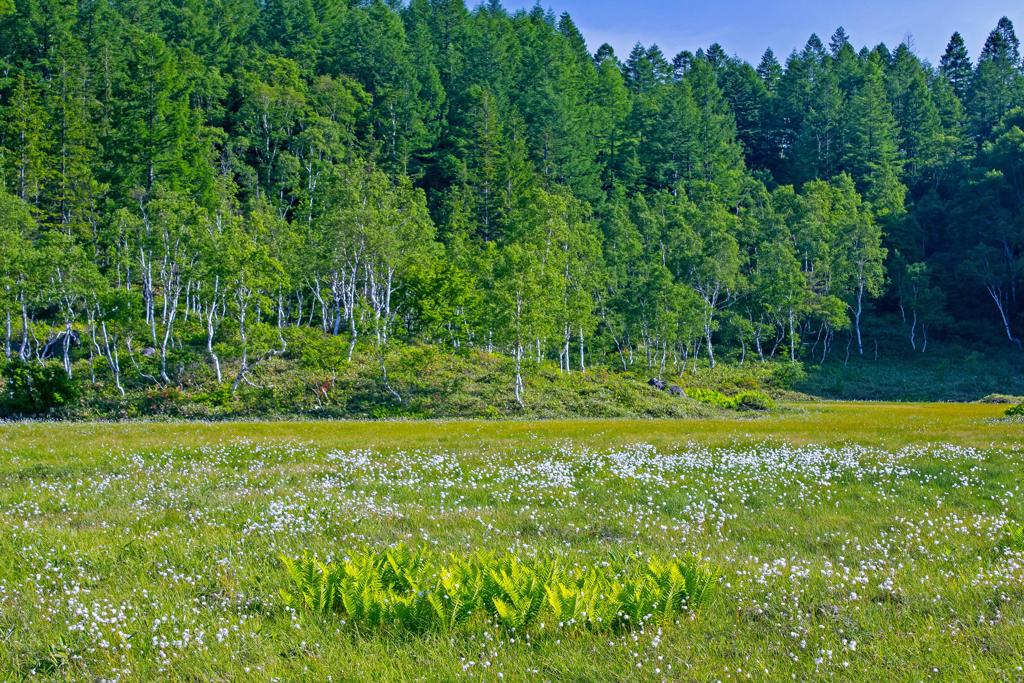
1016,411
710,397
162,400
34,389
784,376
415,591
218,396
744,400
752,400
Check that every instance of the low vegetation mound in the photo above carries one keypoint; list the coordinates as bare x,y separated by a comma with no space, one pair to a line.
314,379
1003,399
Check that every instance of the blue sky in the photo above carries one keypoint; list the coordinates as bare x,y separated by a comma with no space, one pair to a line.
746,28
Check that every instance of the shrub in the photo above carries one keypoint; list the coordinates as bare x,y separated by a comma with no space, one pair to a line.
785,376
752,400
218,397
32,389
394,412
745,400
162,400
412,590
710,397
1015,411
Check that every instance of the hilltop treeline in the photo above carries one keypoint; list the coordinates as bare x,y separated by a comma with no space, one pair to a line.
198,186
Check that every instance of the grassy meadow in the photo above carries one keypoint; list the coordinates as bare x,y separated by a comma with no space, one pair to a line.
851,541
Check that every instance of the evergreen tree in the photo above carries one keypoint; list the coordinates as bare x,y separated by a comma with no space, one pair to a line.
748,99
819,143
998,83
1002,44
26,142
839,41
872,153
956,66
917,118
769,70
718,155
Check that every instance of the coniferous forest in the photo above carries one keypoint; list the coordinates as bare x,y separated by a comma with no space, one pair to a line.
191,189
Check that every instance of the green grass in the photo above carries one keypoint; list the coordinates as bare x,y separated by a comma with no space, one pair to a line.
947,372
852,542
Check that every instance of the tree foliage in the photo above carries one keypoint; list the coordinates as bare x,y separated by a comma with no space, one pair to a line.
187,187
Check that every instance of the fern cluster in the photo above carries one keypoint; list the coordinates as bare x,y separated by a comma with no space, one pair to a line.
744,400
416,590
1012,539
